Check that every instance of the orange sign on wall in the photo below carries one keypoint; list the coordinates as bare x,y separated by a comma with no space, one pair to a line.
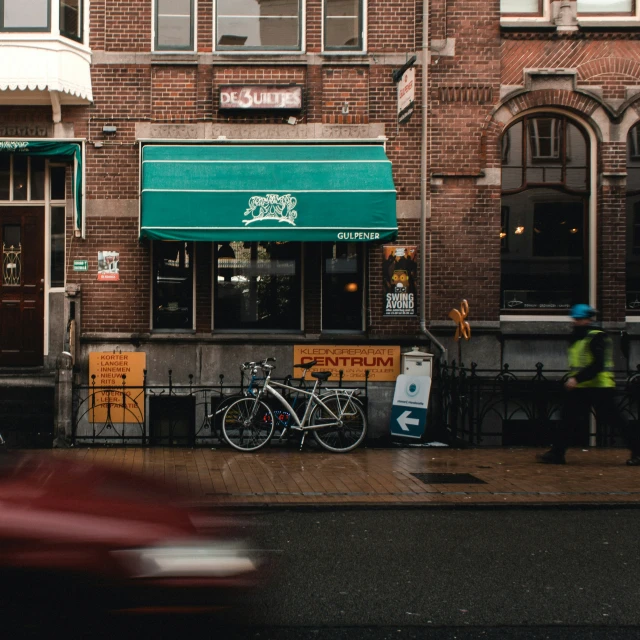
108,369
382,362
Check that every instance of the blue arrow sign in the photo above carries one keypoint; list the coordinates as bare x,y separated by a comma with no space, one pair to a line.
410,402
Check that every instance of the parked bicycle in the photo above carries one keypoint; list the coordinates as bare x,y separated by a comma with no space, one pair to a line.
335,416
255,379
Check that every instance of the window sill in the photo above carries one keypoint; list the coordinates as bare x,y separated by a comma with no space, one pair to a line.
174,57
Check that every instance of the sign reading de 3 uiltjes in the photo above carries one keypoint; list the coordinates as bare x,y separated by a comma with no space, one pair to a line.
257,96
382,362
109,369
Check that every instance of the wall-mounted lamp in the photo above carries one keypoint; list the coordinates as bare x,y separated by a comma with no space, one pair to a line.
109,128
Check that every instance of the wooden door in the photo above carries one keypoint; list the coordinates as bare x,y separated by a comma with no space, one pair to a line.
22,286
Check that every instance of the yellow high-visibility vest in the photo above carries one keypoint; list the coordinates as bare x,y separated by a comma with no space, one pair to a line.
580,356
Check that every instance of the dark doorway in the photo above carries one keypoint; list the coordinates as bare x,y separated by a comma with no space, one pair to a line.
22,286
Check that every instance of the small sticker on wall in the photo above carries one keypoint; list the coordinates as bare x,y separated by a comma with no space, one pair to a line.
108,266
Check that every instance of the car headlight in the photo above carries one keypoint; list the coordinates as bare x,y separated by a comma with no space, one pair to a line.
217,560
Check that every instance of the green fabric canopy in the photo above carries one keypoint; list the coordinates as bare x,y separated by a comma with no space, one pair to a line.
267,193
67,151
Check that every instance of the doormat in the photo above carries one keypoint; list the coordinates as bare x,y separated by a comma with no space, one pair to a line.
448,478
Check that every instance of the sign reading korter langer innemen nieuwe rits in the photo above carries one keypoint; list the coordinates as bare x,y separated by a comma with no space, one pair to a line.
257,96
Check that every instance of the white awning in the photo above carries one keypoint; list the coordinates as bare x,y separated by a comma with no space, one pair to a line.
44,70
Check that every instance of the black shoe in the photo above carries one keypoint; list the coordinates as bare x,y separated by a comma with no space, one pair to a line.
634,461
551,457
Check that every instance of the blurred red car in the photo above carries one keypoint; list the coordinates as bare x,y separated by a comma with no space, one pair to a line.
84,537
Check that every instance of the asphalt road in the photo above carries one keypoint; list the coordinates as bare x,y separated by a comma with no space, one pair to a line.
517,574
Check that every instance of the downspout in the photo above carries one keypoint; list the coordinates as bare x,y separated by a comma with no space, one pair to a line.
423,182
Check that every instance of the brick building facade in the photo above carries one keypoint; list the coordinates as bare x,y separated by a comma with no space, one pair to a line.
549,89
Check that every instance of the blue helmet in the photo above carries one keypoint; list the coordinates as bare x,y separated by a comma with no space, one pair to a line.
582,312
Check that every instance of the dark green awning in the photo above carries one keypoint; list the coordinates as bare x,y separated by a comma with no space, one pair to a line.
267,192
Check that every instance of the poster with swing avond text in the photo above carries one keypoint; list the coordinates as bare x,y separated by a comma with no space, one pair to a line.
399,276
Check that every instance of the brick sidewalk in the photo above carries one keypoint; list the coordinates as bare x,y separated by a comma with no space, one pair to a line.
381,476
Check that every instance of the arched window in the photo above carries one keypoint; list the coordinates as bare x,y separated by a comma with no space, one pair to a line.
633,219
544,230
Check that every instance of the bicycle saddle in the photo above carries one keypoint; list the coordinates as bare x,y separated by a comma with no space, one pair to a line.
306,365
321,375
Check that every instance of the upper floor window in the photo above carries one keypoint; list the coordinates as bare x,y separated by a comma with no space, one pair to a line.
174,25
35,15
251,25
343,25
25,15
71,19
524,7
584,7
603,7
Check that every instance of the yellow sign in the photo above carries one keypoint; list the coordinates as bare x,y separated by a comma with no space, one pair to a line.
383,363
108,369
463,328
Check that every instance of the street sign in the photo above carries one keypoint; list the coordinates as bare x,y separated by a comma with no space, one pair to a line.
81,265
410,402
406,95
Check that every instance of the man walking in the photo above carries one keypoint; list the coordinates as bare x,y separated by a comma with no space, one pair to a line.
590,384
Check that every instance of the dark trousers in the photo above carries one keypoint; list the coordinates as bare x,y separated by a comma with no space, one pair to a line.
577,406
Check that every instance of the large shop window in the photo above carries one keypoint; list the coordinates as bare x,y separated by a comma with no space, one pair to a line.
633,219
173,285
603,7
35,15
343,25
524,7
257,286
342,286
174,25
249,25
544,225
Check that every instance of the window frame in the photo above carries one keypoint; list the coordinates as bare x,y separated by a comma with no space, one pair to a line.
594,14
192,328
529,14
300,265
361,275
544,17
241,50
80,38
361,47
587,194
47,29
193,22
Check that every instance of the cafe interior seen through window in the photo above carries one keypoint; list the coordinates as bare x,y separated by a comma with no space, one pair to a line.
342,286
257,286
543,235
173,285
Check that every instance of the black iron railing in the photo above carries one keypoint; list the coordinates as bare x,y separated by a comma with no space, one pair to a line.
516,407
172,414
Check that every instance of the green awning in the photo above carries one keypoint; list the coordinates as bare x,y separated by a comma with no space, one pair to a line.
54,150
267,193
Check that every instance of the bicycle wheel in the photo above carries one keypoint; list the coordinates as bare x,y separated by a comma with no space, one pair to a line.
248,427
334,437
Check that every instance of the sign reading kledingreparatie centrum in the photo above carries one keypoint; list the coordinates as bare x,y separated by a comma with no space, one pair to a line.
382,362
261,97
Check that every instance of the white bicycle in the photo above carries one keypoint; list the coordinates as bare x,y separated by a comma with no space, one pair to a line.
336,416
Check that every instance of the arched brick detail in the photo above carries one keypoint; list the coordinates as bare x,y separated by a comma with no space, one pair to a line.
608,66
575,102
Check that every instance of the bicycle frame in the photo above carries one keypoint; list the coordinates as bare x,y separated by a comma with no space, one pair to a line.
301,425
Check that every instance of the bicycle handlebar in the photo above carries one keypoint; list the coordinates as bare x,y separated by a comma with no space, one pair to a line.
264,365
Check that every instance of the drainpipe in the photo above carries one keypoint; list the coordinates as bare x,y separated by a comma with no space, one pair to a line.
423,182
